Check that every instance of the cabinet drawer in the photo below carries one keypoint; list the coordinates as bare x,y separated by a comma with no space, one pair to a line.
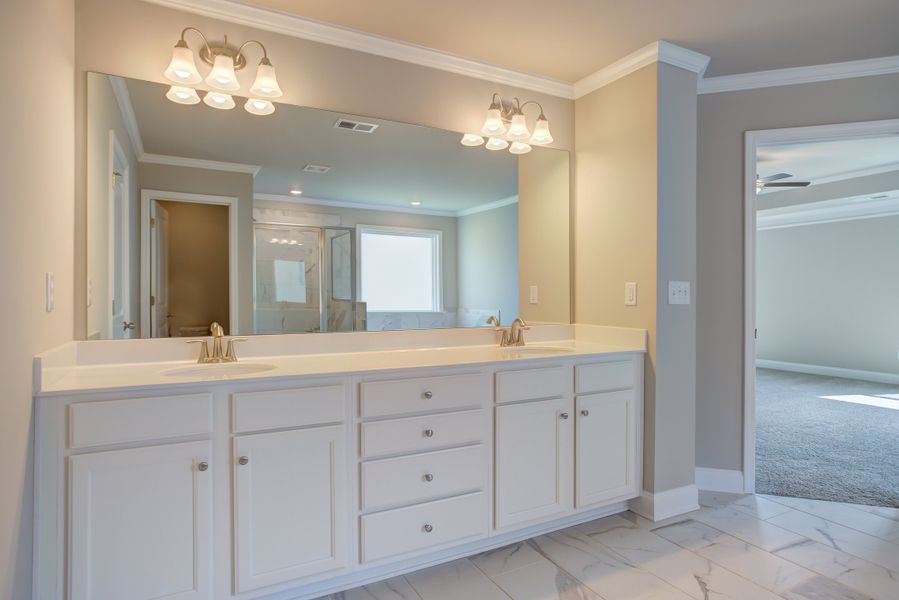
403,530
138,419
420,477
602,377
532,384
256,411
413,434
398,396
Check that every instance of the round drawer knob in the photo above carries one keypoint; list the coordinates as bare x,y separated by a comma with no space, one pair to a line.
585,413
243,460
428,528
429,433
203,466
429,477
428,395
563,416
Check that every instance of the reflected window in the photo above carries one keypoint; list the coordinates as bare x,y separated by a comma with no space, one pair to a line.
290,281
399,269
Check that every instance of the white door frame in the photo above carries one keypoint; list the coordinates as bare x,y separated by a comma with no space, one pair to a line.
148,196
754,139
117,156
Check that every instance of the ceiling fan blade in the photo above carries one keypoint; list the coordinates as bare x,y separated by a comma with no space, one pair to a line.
788,184
774,177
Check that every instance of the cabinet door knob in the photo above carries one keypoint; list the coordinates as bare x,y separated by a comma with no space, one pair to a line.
563,416
243,460
428,395
428,528
429,477
585,412
429,433
203,466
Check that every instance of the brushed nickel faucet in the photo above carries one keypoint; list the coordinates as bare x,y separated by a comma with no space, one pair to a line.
514,335
218,356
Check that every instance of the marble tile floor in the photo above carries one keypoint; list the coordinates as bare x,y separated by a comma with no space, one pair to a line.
742,547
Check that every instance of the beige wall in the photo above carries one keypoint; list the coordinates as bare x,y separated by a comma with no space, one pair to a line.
197,265
635,207
544,232
36,126
488,261
719,295
216,183
827,294
104,116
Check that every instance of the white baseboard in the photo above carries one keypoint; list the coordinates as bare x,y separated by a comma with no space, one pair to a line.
719,480
670,503
876,376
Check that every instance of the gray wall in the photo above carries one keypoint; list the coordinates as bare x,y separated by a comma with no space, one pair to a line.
828,294
723,118
488,261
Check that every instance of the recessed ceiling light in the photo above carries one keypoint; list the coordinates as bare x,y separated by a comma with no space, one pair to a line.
296,191
415,203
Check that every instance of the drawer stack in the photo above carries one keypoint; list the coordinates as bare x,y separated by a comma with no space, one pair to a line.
424,463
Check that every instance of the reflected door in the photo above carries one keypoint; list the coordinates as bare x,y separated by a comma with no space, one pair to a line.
159,266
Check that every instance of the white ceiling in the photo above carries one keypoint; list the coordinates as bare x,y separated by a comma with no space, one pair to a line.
393,166
570,39
829,160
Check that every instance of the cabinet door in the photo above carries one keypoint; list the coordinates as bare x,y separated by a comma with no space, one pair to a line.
141,523
533,461
606,447
290,505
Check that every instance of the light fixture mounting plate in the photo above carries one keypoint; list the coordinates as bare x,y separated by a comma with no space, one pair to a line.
208,54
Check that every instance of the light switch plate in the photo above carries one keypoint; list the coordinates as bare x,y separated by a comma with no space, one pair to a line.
678,292
50,282
630,293
533,294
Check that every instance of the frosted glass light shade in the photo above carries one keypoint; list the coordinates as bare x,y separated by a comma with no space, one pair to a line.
182,68
266,84
182,95
541,133
472,139
493,123
256,106
518,130
222,76
519,148
496,144
219,100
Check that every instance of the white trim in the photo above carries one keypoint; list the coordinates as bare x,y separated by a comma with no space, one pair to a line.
123,99
146,197
485,207
865,172
198,163
719,480
334,35
670,503
753,139
876,376
796,75
117,155
660,51
829,211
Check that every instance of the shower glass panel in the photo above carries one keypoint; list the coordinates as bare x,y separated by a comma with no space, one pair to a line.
342,313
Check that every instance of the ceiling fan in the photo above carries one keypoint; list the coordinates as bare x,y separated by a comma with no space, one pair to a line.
772,181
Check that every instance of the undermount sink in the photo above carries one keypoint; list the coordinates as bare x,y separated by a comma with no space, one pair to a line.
536,350
218,370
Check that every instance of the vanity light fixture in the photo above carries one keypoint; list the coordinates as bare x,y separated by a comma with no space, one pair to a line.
506,122
225,61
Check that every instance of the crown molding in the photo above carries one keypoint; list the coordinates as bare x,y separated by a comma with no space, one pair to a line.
123,99
796,75
485,207
387,208
830,211
660,51
198,163
334,35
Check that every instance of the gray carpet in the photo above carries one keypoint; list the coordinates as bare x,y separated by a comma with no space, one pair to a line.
811,447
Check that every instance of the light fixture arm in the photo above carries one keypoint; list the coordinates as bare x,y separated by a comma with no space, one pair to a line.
205,41
265,59
540,106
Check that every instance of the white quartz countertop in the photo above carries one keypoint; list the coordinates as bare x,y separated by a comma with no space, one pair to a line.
131,376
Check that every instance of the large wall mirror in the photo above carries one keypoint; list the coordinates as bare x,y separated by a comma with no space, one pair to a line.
306,220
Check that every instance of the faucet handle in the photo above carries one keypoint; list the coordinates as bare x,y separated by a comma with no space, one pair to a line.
204,350
230,356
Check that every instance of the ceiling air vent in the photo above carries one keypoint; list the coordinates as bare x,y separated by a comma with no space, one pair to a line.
355,126
321,169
